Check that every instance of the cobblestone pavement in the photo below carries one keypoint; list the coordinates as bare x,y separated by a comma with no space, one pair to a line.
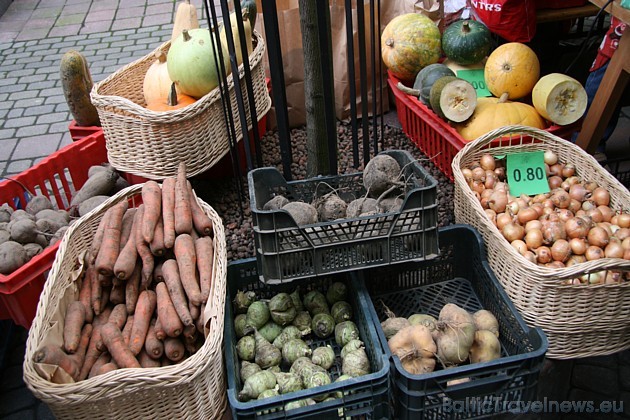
34,121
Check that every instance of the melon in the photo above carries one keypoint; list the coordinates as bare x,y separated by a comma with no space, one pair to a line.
559,98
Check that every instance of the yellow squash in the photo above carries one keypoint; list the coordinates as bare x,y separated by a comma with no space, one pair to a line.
512,68
559,98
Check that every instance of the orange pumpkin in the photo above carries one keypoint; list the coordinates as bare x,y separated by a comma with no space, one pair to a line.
171,102
512,68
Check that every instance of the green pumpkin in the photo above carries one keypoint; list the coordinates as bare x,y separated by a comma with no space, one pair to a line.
427,77
466,42
453,98
409,43
190,63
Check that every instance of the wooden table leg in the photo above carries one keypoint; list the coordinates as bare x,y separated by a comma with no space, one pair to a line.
607,96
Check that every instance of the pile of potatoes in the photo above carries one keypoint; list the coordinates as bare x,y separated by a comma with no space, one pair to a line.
385,191
456,337
25,233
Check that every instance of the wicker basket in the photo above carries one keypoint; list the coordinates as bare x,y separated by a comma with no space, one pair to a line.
579,320
151,144
194,388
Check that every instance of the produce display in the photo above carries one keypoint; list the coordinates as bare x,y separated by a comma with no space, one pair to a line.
143,287
25,233
511,74
424,343
299,340
571,224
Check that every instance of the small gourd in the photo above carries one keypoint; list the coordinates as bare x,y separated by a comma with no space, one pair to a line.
76,83
247,27
157,83
170,102
185,18
512,68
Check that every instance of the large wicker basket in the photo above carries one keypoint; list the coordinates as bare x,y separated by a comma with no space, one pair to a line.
579,320
194,388
151,144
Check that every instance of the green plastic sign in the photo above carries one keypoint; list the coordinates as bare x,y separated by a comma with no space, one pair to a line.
476,79
526,173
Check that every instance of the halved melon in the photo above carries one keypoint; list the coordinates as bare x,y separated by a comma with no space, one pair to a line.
559,98
453,98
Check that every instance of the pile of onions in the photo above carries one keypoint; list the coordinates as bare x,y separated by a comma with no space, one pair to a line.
571,224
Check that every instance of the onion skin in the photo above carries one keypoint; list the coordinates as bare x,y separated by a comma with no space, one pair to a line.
594,253
598,237
576,228
614,250
488,162
513,231
534,239
561,250
543,255
578,246
550,157
601,196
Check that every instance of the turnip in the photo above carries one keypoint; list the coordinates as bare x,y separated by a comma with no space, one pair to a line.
454,335
287,334
267,354
12,256
355,363
381,174
32,250
38,203
270,331
361,206
281,309
246,348
330,207
4,236
288,382
91,203
248,369
256,384
341,311
24,231
324,357
323,325
303,322
276,203
294,349
302,213
336,292
345,332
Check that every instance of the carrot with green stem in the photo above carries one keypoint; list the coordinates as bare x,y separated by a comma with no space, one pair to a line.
176,291
187,263
147,302
73,324
152,200
168,211
204,249
182,210
201,221
110,245
148,262
170,322
113,339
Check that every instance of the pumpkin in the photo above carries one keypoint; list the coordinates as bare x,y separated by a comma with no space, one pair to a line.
76,83
191,65
466,41
492,113
512,68
409,43
250,11
427,77
453,99
559,98
171,101
157,83
235,34
185,18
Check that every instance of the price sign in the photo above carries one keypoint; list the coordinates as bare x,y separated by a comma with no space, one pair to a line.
526,173
476,79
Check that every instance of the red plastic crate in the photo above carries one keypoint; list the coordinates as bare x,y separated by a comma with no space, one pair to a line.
435,137
58,176
77,132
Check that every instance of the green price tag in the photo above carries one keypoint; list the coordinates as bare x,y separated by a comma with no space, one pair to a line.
475,78
526,173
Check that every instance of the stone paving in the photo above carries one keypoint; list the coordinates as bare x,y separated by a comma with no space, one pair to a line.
34,120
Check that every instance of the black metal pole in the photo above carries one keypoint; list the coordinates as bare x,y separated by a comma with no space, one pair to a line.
373,55
363,73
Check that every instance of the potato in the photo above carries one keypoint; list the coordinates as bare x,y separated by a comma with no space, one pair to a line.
33,249
24,231
485,347
12,256
91,203
37,204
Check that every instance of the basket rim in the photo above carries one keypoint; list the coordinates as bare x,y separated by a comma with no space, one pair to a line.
118,381
546,275
103,101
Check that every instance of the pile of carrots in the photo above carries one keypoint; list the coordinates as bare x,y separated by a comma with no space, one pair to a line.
146,282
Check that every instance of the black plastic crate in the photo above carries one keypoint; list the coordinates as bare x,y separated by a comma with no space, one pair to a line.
286,251
461,275
365,397
620,169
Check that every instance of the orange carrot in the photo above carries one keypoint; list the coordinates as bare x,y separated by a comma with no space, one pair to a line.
204,249
113,339
190,333
126,226
103,359
106,290
152,200
195,310
153,346
169,319
126,332
168,211
117,295
148,262
157,246
202,223
199,321
182,211
128,256
158,276
98,237
85,296
118,317
110,246
106,368
147,302
73,324
96,289
54,355
92,354
174,349
159,331
187,264
176,291
79,355
147,362
132,289
104,280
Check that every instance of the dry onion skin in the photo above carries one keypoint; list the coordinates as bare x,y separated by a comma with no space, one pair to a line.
571,224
